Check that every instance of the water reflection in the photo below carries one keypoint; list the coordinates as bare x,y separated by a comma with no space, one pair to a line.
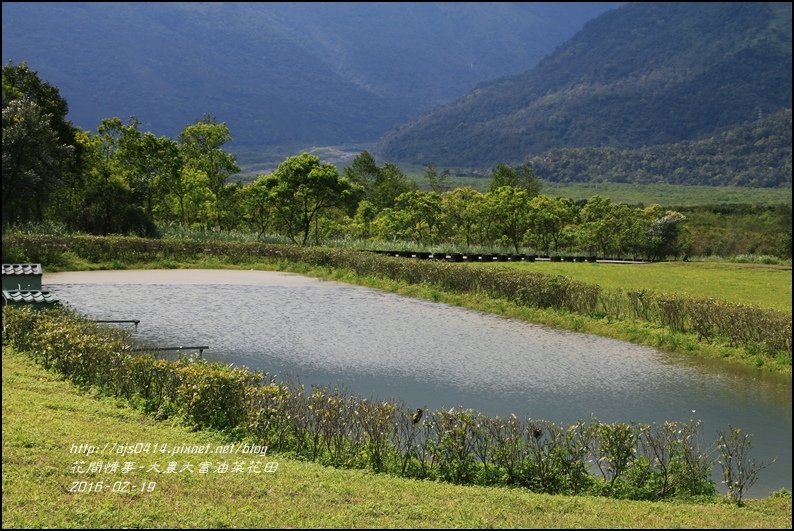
430,354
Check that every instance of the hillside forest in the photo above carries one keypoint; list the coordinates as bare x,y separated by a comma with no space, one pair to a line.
647,74
122,180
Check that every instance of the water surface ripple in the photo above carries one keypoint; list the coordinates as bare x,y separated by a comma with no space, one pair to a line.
430,354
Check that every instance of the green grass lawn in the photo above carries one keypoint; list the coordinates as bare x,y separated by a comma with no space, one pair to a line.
669,195
764,286
44,416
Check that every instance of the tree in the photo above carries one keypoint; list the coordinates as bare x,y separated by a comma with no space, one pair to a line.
527,180
192,200
629,226
104,203
389,185
301,189
524,178
502,175
600,226
509,206
417,216
20,81
32,161
548,217
364,171
149,165
381,186
662,232
463,212
158,175
39,154
153,164
438,181
259,210
200,145
362,221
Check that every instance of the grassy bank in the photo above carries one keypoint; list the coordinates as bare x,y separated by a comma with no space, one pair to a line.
43,417
766,286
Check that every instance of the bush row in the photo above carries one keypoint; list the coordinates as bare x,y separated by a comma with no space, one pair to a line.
758,330
334,427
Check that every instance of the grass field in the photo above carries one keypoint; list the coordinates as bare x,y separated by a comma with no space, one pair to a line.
43,417
764,286
669,195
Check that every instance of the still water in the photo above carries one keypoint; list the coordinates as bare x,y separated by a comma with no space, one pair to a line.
429,354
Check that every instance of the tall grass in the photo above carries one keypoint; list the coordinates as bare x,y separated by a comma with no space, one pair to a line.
764,259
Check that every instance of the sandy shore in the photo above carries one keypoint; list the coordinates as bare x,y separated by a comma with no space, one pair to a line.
180,276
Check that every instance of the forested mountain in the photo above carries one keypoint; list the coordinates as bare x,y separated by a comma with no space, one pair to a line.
756,154
644,74
280,74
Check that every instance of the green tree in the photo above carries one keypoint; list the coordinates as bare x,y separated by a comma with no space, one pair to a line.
509,208
600,226
362,221
200,145
364,171
630,227
389,185
782,233
192,199
527,180
463,211
154,169
524,178
439,182
502,175
105,203
664,228
39,153
418,216
259,209
150,165
32,161
301,189
20,81
381,185
548,217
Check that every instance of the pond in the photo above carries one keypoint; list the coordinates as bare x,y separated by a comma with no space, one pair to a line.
429,354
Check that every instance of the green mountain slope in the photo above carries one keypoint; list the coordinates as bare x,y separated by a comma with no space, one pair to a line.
757,154
640,75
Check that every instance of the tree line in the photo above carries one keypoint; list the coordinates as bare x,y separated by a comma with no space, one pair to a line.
122,180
